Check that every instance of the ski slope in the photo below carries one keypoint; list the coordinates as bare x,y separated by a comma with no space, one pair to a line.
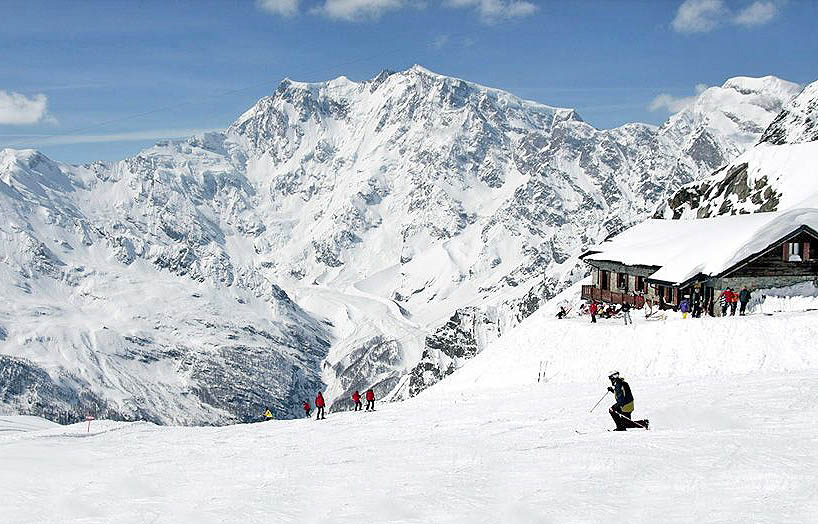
740,450
20,423
734,439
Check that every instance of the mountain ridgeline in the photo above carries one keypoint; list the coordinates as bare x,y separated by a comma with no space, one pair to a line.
337,236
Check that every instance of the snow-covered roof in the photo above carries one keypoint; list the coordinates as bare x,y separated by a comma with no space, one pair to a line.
683,249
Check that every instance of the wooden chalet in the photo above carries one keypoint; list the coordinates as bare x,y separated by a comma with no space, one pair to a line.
660,261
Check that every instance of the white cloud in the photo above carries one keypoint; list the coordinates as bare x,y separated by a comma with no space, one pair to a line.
493,10
674,104
353,10
755,14
17,109
279,7
445,41
699,16
440,41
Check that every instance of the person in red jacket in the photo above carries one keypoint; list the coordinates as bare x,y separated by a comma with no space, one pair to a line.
732,300
370,400
319,407
356,398
593,309
306,409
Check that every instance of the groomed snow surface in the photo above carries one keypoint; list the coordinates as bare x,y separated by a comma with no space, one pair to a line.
733,406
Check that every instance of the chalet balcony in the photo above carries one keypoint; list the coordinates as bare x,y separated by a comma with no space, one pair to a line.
612,297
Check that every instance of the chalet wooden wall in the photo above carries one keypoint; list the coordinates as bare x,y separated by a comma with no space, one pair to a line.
773,264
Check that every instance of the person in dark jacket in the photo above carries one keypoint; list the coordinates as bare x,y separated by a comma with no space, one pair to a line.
356,398
626,313
319,407
370,400
743,298
697,305
307,409
561,314
622,410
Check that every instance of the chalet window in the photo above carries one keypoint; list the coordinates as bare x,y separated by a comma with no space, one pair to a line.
622,281
640,284
793,252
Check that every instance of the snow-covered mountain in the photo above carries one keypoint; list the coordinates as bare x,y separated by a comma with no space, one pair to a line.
95,320
798,122
354,234
777,174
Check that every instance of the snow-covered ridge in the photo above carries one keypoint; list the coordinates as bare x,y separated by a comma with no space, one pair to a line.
798,122
765,178
724,121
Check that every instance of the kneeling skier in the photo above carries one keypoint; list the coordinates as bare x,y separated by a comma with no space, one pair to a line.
622,410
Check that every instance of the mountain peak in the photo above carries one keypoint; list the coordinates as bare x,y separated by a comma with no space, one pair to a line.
763,84
723,121
417,68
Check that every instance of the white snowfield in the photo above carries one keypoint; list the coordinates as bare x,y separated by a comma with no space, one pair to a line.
20,423
734,438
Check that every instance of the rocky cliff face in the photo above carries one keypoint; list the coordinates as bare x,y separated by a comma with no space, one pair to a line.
319,240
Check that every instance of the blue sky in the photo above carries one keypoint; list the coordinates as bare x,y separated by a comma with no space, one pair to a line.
103,79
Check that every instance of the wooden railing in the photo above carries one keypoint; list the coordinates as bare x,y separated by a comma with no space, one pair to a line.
612,297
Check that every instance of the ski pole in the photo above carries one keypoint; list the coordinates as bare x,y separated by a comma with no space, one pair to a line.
600,400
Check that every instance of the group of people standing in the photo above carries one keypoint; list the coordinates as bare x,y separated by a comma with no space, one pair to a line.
369,395
727,300
730,299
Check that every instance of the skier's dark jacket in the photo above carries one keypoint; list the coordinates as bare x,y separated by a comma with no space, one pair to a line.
624,398
744,296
